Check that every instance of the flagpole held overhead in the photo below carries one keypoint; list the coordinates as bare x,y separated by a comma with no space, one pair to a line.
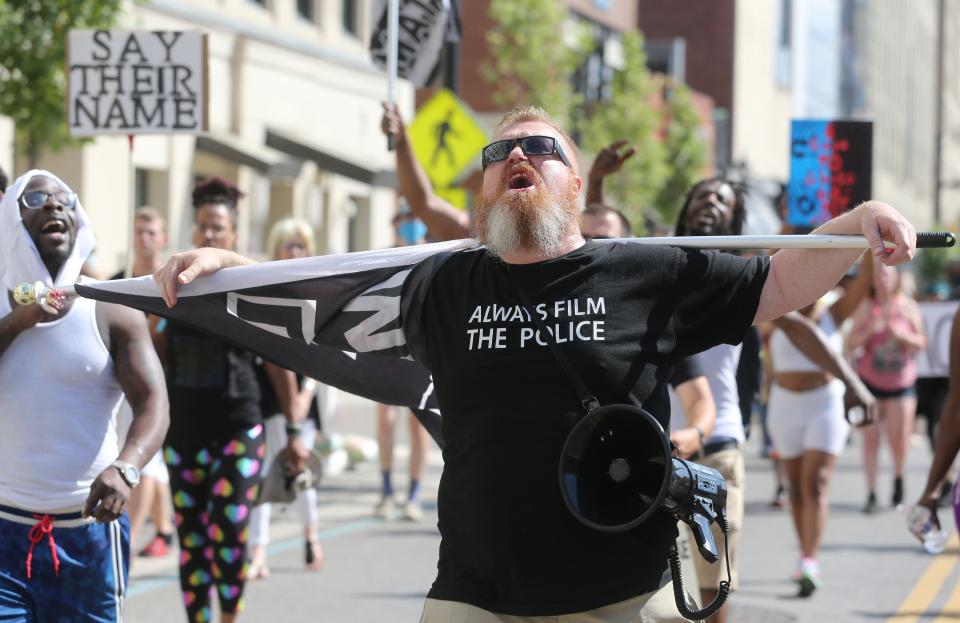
393,28
418,29
30,293
925,240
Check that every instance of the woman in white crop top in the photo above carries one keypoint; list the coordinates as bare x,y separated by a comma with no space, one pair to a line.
805,413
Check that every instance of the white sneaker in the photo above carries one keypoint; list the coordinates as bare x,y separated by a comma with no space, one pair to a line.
385,508
412,511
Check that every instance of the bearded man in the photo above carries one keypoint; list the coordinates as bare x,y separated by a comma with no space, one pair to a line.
623,313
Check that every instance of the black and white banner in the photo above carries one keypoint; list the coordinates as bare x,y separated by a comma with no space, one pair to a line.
333,318
424,27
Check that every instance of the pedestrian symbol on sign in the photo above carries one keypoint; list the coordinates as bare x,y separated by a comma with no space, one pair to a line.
445,138
442,129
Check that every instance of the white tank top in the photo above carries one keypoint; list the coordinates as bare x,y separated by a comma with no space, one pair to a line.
784,356
58,400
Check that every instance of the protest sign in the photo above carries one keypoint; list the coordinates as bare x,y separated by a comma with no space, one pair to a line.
830,169
136,82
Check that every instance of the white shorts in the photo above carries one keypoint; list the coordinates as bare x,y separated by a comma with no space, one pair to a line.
811,420
156,469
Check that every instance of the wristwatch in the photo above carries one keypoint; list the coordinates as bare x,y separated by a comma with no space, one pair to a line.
700,434
129,473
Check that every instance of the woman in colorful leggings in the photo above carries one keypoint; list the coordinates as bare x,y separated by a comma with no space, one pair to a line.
215,447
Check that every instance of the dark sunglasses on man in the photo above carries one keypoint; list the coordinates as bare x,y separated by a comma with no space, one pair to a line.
36,199
531,146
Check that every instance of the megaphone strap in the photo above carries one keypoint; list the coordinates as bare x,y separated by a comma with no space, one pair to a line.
588,401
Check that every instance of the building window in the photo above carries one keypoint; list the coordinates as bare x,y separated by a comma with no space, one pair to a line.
782,61
141,188
594,79
349,12
305,9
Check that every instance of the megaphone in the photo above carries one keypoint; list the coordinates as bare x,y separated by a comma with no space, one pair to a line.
617,469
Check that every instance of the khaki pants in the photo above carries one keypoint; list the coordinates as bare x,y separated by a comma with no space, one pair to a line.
730,464
654,607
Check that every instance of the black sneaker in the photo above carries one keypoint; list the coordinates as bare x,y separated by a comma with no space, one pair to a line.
897,498
871,506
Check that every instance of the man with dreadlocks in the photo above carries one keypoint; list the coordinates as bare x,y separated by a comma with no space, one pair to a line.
717,207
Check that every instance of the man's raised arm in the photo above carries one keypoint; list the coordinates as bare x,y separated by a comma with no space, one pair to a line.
443,221
798,277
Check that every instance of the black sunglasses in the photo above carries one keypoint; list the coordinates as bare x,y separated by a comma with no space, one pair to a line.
36,199
531,146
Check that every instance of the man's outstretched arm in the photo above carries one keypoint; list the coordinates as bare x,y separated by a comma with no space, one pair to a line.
443,221
138,371
799,277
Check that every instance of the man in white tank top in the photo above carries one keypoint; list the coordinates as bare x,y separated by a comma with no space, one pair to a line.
64,482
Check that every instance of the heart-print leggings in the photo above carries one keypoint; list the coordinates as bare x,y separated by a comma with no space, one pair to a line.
214,487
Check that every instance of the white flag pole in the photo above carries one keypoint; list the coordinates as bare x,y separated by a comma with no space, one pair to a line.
393,29
27,293
807,241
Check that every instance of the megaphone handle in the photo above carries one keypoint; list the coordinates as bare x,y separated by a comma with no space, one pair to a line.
703,535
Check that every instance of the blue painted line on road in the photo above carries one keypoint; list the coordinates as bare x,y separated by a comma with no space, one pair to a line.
145,585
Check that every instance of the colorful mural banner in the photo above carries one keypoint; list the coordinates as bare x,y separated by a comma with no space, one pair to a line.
831,166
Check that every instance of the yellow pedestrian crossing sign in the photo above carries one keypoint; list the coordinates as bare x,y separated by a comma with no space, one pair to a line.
445,137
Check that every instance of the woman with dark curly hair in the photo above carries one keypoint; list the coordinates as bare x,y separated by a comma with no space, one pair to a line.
215,447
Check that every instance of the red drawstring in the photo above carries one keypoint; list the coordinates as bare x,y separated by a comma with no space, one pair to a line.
42,527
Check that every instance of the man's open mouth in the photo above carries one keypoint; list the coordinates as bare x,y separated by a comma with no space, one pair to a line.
519,181
54,226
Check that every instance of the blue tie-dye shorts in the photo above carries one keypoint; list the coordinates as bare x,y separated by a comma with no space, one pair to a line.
77,570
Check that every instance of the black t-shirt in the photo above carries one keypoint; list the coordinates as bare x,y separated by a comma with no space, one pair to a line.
212,387
270,403
625,315
686,370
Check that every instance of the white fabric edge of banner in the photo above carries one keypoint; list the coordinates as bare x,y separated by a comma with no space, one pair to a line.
266,273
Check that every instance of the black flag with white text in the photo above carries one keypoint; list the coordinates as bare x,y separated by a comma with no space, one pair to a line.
424,27
333,318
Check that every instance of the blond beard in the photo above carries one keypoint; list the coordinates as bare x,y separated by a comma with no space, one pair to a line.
535,220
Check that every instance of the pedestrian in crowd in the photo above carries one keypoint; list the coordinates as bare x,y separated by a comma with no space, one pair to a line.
599,221
806,416
215,447
888,328
64,480
4,181
948,438
509,546
289,238
718,207
152,496
609,160
408,230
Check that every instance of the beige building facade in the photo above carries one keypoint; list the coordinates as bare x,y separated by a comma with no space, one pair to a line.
294,120
893,74
762,106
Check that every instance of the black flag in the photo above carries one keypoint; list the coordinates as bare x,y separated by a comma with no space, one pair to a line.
333,318
425,26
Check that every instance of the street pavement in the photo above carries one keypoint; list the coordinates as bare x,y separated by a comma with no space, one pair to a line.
380,571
